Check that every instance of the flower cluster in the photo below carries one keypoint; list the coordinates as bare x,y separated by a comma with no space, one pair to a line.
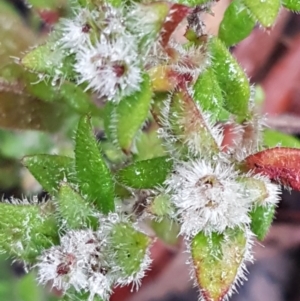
87,260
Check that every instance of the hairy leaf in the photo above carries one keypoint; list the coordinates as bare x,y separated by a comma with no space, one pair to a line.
94,177
280,164
49,59
291,4
208,94
231,78
187,124
261,219
26,230
51,170
123,120
75,211
145,174
217,261
237,23
129,248
264,11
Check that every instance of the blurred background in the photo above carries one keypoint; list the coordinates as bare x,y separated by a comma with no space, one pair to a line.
271,58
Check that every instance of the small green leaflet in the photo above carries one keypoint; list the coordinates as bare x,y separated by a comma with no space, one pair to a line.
237,23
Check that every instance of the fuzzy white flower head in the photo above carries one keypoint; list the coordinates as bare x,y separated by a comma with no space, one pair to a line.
77,262
75,32
111,67
208,197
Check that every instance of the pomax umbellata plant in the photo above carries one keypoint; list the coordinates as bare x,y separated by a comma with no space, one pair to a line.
84,240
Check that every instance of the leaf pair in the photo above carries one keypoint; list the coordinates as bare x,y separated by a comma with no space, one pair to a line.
88,170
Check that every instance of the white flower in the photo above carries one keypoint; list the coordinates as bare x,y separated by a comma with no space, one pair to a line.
78,262
110,67
208,197
75,32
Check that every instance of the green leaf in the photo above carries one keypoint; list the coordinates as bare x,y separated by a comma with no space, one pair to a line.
188,126
47,4
274,138
193,2
291,4
128,248
145,174
208,94
51,170
264,11
123,120
217,259
26,230
261,219
51,60
75,211
95,180
231,78
67,92
237,23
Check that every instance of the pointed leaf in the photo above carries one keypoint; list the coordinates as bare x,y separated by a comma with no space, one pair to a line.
145,174
217,262
261,219
51,170
75,211
187,125
94,177
264,11
280,164
293,5
237,23
231,78
50,59
123,120
208,94
26,230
